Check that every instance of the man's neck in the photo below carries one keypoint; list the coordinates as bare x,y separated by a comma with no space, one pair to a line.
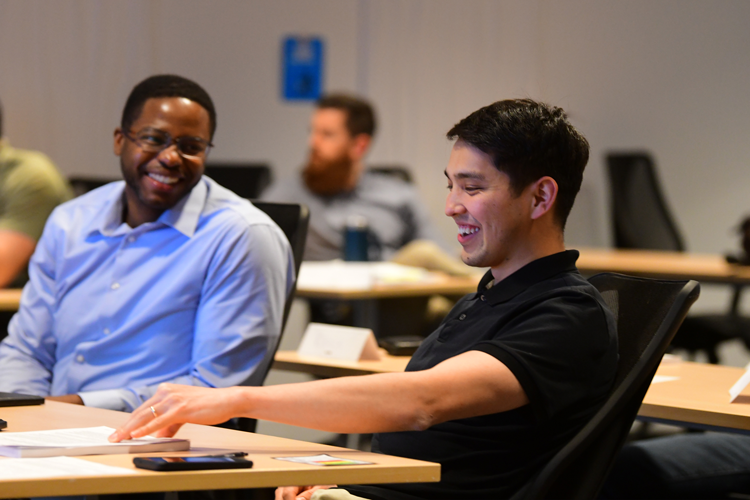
135,214
519,259
354,175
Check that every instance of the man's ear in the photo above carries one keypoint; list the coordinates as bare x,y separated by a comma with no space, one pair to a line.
543,196
119,141
360,145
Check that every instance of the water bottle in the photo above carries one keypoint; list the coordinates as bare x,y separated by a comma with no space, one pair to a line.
355,239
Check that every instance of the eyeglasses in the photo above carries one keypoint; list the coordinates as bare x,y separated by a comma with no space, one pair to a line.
153,140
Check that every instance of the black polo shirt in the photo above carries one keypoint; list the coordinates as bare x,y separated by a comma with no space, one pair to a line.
551,328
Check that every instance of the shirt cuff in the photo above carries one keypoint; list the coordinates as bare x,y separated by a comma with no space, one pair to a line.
113,399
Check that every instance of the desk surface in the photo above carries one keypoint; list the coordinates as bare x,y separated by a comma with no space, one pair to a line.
665,265
329,368
700,397
439,284
266,471
10,298
652,264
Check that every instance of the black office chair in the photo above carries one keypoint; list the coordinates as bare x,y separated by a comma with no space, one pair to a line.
82,184
398,171
641,220
293,220
648,314
248,180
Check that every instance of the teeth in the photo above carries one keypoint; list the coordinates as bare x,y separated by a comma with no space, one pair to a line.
163,178
464,230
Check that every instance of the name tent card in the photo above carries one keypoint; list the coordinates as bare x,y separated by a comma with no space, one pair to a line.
345,343
740,385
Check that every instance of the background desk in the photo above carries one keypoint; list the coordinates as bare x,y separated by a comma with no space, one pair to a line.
266,472
699,398
10,298
664,265
440,284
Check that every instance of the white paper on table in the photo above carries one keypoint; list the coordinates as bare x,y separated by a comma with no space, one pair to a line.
347,343
86,436
740,385
663,378
340,275
39,468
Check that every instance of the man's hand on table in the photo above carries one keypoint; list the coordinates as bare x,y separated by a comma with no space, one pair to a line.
74,399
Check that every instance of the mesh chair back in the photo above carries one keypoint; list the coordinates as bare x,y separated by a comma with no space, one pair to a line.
247,180
293,220
640,217
648,314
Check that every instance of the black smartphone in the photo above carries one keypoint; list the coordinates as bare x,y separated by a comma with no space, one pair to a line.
205,462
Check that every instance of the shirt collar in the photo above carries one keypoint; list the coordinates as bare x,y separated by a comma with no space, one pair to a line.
529,275
183,216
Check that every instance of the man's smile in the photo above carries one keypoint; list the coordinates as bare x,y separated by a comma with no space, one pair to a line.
163,179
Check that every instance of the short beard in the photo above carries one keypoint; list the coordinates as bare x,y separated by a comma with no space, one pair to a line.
327,177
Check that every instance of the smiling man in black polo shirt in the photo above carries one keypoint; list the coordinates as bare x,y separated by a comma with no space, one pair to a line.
516,368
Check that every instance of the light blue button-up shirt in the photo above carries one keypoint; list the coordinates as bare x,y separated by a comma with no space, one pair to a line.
110,311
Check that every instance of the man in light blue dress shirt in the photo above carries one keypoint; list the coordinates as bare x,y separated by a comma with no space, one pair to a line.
166,276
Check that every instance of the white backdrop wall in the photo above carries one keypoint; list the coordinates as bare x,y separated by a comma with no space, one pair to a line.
669,76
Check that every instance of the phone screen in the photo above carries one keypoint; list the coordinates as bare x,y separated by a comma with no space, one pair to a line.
196,460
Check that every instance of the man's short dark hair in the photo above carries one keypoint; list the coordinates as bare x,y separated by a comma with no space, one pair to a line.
360,117
158,86
528,140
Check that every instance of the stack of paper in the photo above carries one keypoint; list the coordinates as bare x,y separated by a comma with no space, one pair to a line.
85,441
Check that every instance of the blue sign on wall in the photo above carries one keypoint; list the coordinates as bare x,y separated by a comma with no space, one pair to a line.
302,61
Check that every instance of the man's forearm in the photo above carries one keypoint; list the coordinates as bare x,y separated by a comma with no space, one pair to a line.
15,252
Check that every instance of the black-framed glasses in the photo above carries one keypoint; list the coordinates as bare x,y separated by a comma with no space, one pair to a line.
155,141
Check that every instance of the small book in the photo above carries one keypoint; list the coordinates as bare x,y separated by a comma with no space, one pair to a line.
83,441
13,399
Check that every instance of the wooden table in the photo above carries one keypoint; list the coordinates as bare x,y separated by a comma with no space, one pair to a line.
266,471
330,368
10,298
439,284
665,265
699,398
652,264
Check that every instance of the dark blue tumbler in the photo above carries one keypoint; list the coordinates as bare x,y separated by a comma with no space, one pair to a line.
355,239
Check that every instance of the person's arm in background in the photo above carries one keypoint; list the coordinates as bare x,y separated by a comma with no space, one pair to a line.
15,251
31,189
238,322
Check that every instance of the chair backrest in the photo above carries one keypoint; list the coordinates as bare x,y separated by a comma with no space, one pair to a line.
293,220
640,218
82,184
400,171
648,314
248,180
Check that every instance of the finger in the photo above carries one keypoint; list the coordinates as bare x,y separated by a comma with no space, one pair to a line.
168,431
287,492
141,422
